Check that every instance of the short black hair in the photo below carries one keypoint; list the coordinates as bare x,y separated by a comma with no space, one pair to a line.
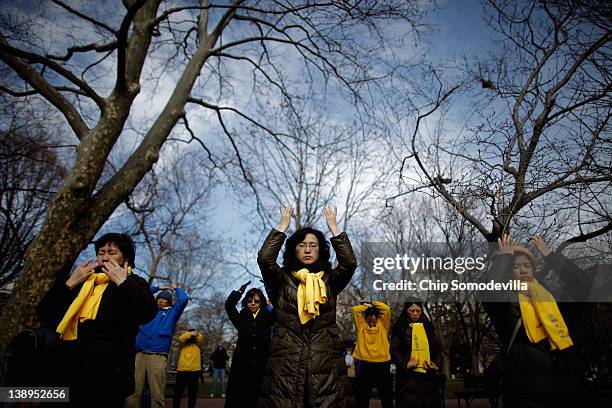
372,311
123,242
252,292
290,261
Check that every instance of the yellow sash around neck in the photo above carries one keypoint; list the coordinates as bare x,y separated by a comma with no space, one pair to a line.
420,347
542,318
85,305
310,294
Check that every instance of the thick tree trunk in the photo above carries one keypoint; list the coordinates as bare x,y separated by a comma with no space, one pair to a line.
51,253
76,213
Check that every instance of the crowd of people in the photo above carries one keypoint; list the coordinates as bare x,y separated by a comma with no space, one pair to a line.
115,335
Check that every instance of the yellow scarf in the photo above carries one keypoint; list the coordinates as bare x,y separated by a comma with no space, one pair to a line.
85,305
310,294
542,317
420,347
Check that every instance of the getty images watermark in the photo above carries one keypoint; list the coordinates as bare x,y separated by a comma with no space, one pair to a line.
439,272
428,266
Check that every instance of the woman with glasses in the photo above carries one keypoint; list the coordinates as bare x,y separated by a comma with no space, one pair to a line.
305,367
253,323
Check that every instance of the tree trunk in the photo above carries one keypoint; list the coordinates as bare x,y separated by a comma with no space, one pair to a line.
474,354
65,234
446,364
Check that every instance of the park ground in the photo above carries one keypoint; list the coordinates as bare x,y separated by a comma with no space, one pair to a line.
204,401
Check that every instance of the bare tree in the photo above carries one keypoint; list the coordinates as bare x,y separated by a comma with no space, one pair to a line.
324,162
536,154
30,173
93,72
429,226
169,210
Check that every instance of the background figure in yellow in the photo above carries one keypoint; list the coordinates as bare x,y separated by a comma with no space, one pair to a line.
372,323
189,368
415,350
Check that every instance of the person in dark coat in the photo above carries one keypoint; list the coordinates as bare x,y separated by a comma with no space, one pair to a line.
218,366
97,311
537,372
418,383
305,367
253,323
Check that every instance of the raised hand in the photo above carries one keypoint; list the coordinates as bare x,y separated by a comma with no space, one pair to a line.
285,219
330,218
243,287
116,273
505,245
541,245
81,273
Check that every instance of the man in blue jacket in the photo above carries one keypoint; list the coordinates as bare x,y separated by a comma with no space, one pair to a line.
153,345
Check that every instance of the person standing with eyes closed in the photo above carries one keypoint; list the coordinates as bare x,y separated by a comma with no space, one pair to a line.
253,323
305,367
96,310
416,352
542,367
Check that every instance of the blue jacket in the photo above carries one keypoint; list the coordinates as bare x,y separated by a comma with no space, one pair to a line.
156,336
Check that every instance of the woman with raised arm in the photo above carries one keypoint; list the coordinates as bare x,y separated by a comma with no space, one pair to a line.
253,323
372,324
416,352
541,366
305,367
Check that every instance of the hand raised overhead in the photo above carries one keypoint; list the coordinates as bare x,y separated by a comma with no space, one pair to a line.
541,245
330,218
505,245
285,219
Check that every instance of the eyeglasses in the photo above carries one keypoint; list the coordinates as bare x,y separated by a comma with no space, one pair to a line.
303,245
256,301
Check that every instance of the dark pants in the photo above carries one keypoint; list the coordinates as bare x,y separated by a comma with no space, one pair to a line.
187,379
374,375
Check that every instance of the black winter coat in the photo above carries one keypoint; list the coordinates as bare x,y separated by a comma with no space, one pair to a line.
305,367
249,357
533,376
412,389
101,360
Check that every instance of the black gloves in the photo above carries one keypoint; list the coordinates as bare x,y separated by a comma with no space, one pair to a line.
243,287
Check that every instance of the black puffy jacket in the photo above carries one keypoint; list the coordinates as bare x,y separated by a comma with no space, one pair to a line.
249,357
533,375
305,367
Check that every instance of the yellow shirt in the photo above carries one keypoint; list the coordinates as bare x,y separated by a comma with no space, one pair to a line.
190,358
372,342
